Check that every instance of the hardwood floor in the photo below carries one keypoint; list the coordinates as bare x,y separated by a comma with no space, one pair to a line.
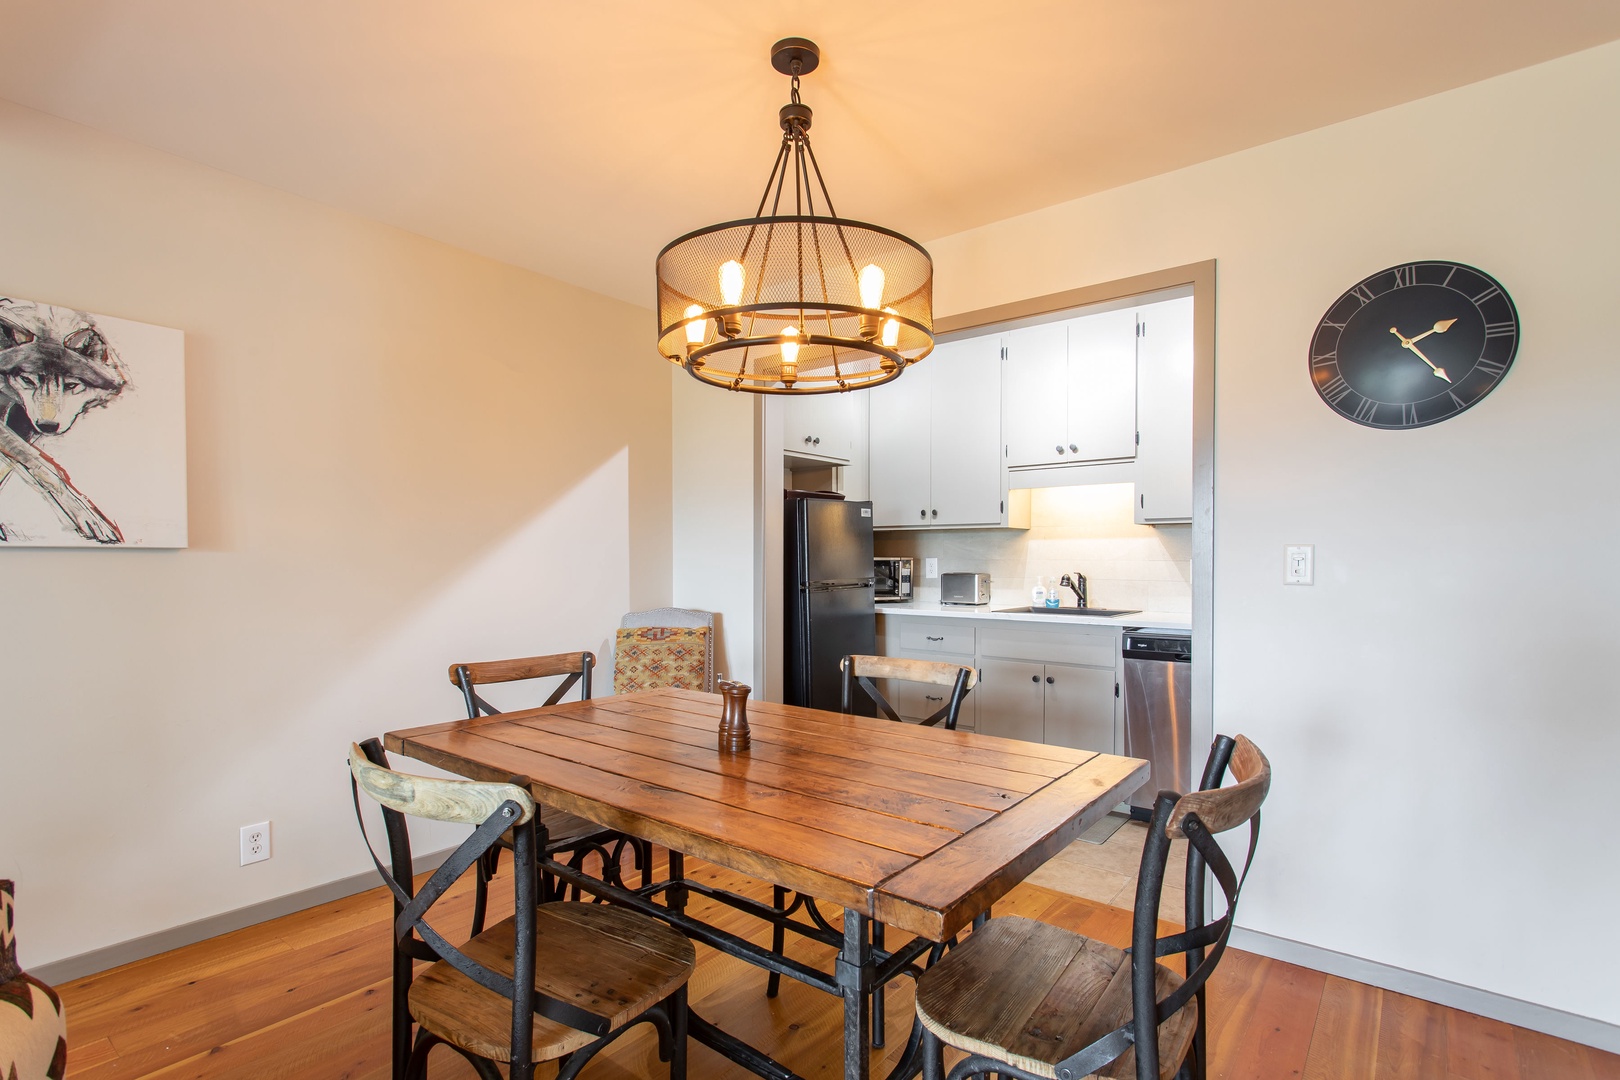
307,996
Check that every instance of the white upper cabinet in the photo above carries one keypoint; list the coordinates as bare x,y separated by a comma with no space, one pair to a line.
1102,387
901,467
820,426
968,487
1037,394
1164,407
1071,391
935,443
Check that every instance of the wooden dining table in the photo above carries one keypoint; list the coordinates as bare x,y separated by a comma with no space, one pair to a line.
914,828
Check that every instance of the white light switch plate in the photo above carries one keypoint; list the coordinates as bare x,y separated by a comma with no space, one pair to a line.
1299,567
930,568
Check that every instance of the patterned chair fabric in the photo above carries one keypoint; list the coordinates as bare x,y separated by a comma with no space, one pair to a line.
649,657
33,1028
666,618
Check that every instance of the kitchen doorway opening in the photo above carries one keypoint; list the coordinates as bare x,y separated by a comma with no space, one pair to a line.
1197,278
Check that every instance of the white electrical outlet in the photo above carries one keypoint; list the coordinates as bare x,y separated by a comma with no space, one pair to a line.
1299,567
930,569
255,842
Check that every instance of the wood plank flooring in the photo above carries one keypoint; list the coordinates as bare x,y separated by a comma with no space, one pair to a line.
307,996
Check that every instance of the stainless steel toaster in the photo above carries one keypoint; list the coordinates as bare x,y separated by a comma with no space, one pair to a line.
964,588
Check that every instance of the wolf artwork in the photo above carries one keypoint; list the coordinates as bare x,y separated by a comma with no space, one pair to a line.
93,443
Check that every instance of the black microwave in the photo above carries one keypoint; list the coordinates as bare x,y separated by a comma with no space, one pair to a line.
893,580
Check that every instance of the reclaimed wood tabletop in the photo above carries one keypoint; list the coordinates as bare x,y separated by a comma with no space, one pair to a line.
919,828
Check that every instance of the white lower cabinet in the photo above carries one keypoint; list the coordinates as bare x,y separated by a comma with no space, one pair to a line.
1046,684
1057,704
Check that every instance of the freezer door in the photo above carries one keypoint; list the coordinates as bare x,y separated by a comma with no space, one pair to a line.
837,540
842,621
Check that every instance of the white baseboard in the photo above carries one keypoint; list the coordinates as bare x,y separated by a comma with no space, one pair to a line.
126,952
1525,1014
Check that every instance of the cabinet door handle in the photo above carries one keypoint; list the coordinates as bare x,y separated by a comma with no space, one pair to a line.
933,639
936,513
1073,449
1059,450
931,697
1050,680
818,440
807,440
1035,678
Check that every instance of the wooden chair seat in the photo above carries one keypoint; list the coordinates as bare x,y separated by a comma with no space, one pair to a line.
1031,994
606,960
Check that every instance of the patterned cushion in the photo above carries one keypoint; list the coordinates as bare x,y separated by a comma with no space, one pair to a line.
33,1031
650,657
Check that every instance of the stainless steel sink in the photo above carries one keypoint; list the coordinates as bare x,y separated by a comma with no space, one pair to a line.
1099,612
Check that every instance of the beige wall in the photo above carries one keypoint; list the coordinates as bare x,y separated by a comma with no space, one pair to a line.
400,455
715,488
1436,706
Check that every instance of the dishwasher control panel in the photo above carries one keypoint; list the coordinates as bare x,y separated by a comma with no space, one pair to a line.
1157,647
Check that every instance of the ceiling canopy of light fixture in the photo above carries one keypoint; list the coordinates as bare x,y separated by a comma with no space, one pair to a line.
795,300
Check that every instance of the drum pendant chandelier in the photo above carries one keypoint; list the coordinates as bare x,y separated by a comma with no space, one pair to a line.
800,302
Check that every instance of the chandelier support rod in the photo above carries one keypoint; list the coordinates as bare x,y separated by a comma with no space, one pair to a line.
832,211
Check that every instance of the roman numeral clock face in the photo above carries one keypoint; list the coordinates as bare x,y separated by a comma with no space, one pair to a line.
1414,345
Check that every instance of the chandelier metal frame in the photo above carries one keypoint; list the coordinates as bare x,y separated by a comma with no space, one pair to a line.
804,324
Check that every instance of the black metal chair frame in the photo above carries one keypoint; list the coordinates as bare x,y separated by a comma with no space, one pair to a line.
1197,937
608,844
415,939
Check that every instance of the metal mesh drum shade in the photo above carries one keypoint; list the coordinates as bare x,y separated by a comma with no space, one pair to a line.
803,272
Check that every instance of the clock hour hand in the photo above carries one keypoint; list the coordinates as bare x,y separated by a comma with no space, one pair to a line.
1439,328
1406,344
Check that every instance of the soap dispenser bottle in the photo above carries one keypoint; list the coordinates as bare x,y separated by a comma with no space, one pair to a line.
1037,595
1054,598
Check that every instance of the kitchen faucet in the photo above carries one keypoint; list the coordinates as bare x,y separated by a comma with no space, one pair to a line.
1077,582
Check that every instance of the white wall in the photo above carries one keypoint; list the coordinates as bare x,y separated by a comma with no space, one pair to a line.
1437,708
400,456
715,487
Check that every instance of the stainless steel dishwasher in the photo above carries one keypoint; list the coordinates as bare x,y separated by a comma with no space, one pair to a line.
1158,711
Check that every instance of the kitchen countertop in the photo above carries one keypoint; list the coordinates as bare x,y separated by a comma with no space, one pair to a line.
1146,620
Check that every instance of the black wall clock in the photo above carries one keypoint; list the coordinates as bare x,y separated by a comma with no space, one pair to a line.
1414,345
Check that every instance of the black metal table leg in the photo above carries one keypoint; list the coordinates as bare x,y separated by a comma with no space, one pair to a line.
855,972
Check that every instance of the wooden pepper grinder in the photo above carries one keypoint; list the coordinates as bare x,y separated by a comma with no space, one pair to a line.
734,716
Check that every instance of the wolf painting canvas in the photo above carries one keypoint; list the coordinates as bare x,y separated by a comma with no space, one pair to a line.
93,435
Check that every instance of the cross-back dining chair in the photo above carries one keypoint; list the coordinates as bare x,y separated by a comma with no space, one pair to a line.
1066,1006
953,681
555,982
571,838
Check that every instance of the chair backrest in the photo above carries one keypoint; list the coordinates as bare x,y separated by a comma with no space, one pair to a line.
677,617
860,670
576,666
1196,817
494,809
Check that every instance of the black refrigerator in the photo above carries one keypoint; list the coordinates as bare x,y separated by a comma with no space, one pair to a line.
828,545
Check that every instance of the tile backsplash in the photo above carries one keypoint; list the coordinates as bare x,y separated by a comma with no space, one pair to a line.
1089,529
